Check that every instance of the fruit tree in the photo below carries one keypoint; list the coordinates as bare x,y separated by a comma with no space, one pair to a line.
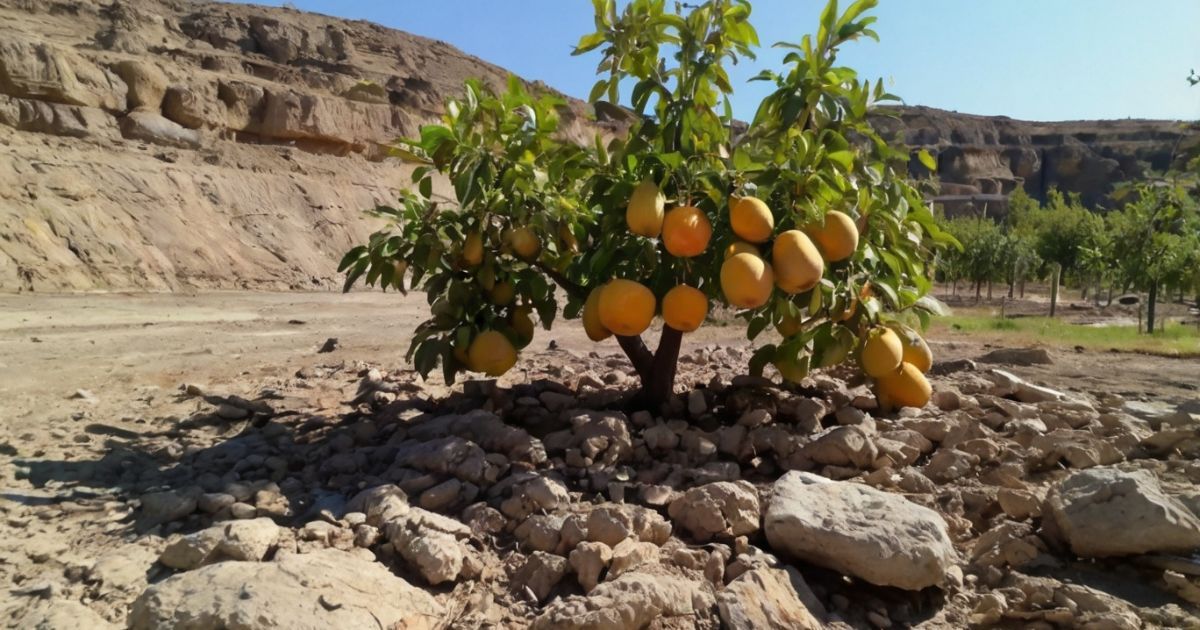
802,220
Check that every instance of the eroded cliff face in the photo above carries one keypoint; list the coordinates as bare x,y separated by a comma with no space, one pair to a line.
170,144
996,155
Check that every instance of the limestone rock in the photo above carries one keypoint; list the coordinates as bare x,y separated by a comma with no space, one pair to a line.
588,560
631,554
319,590
1107,512
629,602
770,598
151,127
613,523
722,509
540,574
146,83
860,531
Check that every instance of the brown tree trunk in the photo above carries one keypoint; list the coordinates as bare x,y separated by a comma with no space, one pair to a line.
1150,304
655,370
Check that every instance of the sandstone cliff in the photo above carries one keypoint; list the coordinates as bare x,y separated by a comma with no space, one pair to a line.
995,155
170,144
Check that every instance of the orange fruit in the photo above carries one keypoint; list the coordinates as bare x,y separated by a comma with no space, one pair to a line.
492,353
524,243
472,251
917,352
686,232
751,219
522,324
798,264
626,307
644,214
746,280
684,308
740,247
591,317
838,238
502,293
882,353
905,387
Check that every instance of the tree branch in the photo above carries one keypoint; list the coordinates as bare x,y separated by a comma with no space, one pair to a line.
575,289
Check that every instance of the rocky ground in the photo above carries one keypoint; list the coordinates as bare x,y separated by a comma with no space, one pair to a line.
256,482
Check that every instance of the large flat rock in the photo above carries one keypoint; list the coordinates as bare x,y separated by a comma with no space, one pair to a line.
870,534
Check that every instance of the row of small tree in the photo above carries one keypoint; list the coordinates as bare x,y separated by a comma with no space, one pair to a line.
1151,243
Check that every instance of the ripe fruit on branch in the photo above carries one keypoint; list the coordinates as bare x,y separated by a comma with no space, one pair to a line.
798,264
741,247
917,352
491,353
626,307
686,232
751,219
789,326
522,325
524,243
746,280
904,387
502,293
591,317
882,353
472,252
838,238
684,308
644,214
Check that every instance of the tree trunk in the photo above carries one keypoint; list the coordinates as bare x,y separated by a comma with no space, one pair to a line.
1054,279
1022,288
1150,302
656,371
989,290
978,289
1011,286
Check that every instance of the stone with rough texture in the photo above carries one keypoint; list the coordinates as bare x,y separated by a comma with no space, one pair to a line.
611,523
1107,512
879,537
722,509
151,127
62,614
630,602
319,590
588,560
540,574
250,539
769,598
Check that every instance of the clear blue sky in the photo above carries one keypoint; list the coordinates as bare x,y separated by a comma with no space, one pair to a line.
1030,59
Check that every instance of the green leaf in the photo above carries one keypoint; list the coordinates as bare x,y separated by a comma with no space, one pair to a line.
927,160
589,43
845,159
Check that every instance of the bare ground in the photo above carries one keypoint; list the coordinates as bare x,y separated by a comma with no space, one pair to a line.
130,354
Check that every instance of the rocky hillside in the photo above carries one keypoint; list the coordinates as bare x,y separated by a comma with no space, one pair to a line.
996,155
170,144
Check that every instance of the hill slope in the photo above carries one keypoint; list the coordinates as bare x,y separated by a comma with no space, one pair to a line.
167,145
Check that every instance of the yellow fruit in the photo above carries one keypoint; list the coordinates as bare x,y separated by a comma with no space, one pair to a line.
686,232
472,252
503,293
751,219
789,326
525,243
684,308
838,238
917,352
492,353
798,264
591,317
746,280
882,353
905,387
626,307
644,214
522,324
740,247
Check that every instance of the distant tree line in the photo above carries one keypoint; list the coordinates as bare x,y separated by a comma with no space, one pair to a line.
1150,243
